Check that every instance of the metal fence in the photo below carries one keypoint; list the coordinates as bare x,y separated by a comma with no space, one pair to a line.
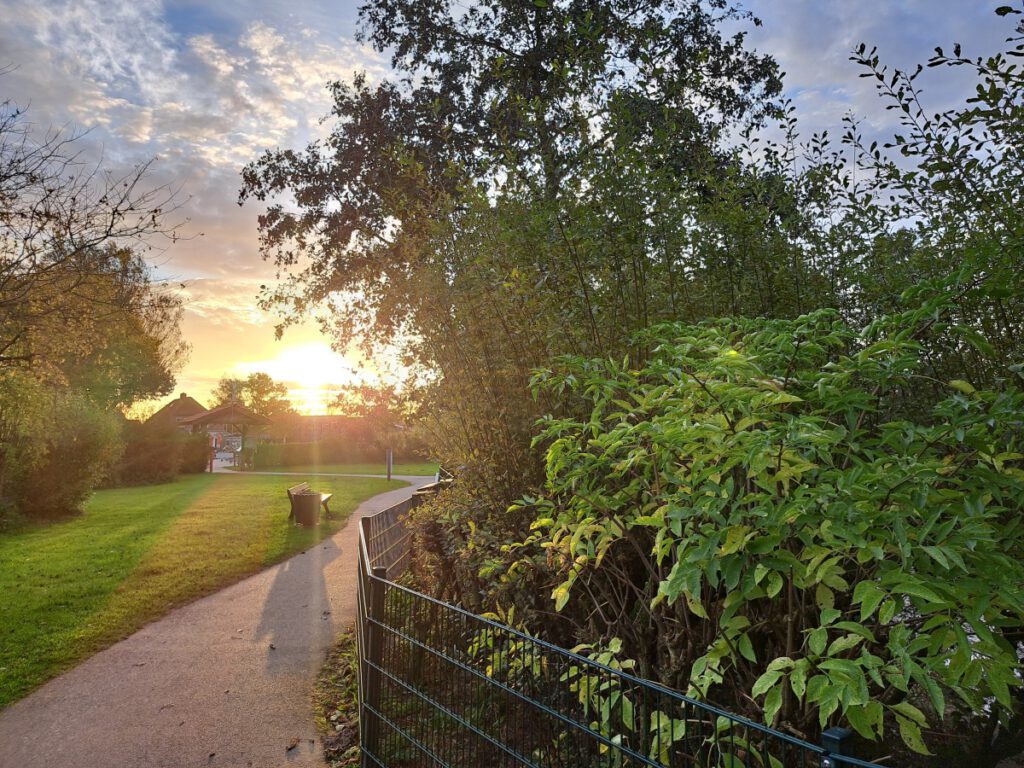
439,686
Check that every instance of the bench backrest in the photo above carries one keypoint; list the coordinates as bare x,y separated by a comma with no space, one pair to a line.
300,488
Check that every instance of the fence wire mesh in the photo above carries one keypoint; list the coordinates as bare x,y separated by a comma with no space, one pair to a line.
440,686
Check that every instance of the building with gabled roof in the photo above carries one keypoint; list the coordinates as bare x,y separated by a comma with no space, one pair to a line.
177,411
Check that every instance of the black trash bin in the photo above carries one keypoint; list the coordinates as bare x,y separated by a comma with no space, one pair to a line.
307,508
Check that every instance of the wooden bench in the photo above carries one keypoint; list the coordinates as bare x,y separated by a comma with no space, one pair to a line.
303,489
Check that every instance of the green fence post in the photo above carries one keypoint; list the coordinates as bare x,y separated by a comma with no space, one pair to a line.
836,742
374,658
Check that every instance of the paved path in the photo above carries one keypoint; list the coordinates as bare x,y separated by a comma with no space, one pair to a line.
223,681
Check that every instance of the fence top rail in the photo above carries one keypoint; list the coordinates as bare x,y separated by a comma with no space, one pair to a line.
841,760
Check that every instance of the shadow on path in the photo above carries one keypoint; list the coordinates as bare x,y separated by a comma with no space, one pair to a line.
297,610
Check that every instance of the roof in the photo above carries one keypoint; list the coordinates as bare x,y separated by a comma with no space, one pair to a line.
232,413
180,408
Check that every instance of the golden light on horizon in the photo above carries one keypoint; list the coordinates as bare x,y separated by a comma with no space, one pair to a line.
313,373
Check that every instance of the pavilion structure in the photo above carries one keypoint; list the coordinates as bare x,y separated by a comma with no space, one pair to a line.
228,420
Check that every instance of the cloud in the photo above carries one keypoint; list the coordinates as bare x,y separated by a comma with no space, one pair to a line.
813,40
230,303
146,81
205,87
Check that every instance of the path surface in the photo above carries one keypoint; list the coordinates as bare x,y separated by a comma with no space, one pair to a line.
223,681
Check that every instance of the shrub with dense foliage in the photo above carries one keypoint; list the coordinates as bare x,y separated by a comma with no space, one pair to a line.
84,331
764,515
72,447
156,452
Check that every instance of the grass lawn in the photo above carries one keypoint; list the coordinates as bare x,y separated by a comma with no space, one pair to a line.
72,588
423,468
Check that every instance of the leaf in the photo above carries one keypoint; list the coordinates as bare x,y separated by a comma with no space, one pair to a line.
824,597
918,590
798,678
910,732
844,643
909,711
772,704
962,386
746,648
695,605
869,595
817,641
887,611
560,596
765,682
734,538
780,664
937,555
860,720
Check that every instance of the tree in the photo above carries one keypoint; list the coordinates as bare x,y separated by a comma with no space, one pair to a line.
64,226
83,330
458,208
258,392
506,91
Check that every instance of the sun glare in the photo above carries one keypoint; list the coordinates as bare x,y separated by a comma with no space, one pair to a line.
313,373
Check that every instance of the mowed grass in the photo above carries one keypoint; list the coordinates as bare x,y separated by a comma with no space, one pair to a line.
422,468
69,589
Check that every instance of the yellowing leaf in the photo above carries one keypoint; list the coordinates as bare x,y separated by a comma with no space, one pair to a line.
734,539
962,386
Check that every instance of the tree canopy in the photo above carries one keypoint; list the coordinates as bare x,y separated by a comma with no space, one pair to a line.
591,182
83,329
258,392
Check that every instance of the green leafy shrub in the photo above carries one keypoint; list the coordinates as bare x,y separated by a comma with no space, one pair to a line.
157,453
152,454
330,451
459,536
77,451
794,519
195,454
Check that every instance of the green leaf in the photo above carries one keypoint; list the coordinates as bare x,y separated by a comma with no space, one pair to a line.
918,590
560,596
780,664
887,611
869,595
734,538
937,555
765,682
962,386
824,597
844,643
772,704
910,732
909,711
694,605
798,678
860,720
817,641
829,615
746,648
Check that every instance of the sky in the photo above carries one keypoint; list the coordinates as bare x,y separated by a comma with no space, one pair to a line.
204,87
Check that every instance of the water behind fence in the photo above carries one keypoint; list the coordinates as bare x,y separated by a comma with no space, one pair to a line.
439,686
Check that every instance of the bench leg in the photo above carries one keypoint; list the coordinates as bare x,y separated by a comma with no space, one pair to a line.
327,511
